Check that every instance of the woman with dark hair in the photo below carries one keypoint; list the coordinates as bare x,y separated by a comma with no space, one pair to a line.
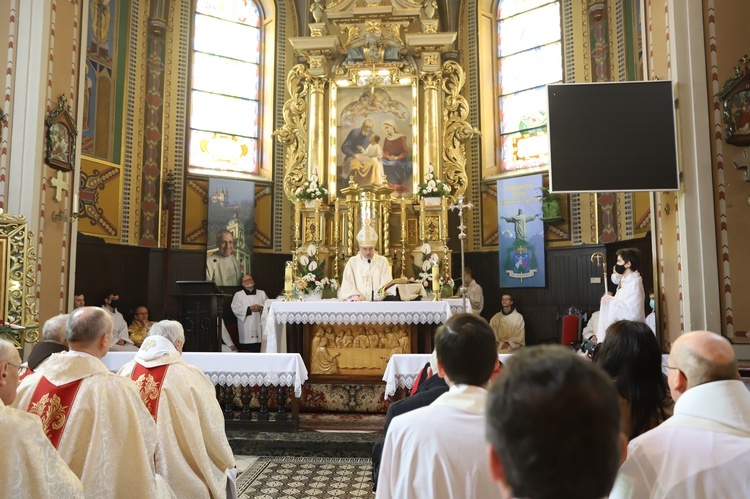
632,357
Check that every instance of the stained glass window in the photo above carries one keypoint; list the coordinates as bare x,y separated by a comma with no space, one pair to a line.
224,100
529,49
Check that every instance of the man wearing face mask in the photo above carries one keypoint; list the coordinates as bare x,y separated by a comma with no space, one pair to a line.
121,341
651,318
627,304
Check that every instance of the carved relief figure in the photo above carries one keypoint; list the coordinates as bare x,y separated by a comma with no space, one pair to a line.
322,361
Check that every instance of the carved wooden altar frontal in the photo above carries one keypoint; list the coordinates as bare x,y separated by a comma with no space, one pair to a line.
356,350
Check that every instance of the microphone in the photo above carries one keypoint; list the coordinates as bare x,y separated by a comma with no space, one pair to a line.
372,283
213,275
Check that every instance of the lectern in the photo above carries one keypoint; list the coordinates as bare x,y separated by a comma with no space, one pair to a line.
200,309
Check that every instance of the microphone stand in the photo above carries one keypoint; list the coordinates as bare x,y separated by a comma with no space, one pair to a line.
372,283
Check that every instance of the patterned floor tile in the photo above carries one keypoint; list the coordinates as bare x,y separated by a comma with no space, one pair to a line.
301,477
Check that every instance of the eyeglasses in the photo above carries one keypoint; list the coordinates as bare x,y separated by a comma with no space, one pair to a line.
21,368
667,366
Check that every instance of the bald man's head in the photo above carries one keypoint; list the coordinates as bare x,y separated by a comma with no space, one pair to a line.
703,357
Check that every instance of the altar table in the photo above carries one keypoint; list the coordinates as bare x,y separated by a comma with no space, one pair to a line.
402,370
279,313
244,370
237,369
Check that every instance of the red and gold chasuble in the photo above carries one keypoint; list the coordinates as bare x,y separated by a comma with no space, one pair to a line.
52,404
149,382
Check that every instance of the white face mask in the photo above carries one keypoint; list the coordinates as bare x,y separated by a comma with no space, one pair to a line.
615,279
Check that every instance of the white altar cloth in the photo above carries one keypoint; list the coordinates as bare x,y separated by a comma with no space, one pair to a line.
245,369
456,305
278,313
402,370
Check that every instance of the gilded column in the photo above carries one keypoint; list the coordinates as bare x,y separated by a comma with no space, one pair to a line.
430,121
317,146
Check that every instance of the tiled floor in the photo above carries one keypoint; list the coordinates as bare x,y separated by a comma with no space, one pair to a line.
303,477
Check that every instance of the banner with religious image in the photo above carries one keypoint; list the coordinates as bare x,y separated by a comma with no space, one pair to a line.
231,225
521,232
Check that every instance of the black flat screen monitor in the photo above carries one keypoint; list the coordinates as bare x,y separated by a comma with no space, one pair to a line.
612,137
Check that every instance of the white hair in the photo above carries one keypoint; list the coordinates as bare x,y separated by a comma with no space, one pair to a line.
6,350
171,330
54,328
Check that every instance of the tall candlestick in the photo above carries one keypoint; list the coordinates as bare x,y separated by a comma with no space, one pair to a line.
421,220
297,220
318,228
403,219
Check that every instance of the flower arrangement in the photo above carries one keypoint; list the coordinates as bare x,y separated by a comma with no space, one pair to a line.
311,275
433,187
310,190
423,273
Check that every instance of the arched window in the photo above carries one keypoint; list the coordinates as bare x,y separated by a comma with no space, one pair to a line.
529,56
225,99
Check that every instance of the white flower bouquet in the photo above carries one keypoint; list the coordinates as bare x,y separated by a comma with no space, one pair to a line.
311,190
433,187
312,277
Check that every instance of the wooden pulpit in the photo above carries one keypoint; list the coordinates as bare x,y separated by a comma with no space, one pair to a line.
200,313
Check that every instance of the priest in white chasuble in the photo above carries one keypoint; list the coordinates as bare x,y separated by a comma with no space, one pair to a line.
366,272
193,453
94,418
29,465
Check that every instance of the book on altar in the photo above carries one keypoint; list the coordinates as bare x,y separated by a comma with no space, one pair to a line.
405,289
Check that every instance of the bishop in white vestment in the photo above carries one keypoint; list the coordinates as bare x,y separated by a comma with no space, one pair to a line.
366,272
193,453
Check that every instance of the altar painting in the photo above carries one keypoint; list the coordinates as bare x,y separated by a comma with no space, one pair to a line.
373,131
520,232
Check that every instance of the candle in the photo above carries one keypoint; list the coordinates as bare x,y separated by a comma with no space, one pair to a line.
317,220
421,220
288,278
403,219
435,278
390,271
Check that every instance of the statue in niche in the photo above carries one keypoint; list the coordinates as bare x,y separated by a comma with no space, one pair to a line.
429,7
318,10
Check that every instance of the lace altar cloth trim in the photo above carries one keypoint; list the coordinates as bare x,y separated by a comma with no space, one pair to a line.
257,379
361,318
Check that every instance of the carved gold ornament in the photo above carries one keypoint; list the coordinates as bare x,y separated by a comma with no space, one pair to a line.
456,128
293,133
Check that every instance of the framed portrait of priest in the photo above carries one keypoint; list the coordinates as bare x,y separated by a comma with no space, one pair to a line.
374,135
231,225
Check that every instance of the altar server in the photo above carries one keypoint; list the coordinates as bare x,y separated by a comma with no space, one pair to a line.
95,419
29,465
627,304
366,272
192,452
247,306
